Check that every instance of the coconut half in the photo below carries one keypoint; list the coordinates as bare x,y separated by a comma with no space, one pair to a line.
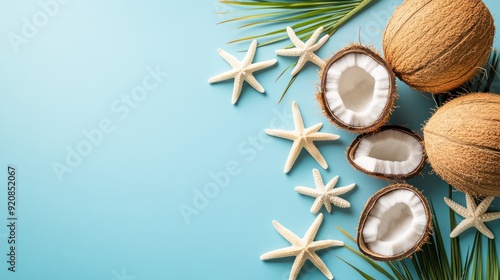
358,89
393,152
394,224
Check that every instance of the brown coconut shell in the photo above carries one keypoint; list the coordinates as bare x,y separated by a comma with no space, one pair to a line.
366,211
462,142
351,151
389,106
436,46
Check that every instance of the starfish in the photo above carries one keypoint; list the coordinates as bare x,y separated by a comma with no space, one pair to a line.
303,248
303,138
304,50
242,71
475,215
326,195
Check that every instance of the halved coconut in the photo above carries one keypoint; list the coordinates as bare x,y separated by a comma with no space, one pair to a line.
393,152
394,224
358,89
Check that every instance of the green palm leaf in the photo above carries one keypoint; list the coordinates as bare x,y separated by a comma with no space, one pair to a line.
303,16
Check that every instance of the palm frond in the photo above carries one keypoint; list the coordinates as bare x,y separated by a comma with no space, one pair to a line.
303,16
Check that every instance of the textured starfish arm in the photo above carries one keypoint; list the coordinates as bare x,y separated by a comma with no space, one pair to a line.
314,37
297,117
254,83
328,205
340,202
292,156
295,40
261,65
318,180
483,206
317,60
323,244
331,184
223,76
342,190
318,203
484,230
229,58
316,154
311,232
250,53
487,217
290,52
287,234
465,224
307,191
281,253
470,203
238,84
298,263
300,63
290,135
318,262
320,43
323,136
312,129
459,209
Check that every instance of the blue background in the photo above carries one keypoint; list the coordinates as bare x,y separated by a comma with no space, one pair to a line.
117,213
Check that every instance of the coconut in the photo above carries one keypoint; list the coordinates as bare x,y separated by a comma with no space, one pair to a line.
462,142
395,223
358,89
436,46
393,152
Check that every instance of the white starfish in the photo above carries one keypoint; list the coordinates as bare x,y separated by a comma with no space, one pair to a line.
326,195
304,50
475,215
242,71
303,138
303,248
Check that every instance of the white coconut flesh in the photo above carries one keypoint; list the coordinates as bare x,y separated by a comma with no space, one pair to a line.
389,152
357,89
395,224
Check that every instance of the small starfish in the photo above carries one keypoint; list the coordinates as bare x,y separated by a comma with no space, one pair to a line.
326,195
242,71
303,248
303,138
304,50
475,215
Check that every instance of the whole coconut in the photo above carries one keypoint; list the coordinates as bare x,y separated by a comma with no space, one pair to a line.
438,45
462,141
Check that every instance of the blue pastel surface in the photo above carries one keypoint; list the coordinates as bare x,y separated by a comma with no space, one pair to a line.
130,165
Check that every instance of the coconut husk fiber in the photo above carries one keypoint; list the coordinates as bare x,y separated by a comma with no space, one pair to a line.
462,142
438,45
